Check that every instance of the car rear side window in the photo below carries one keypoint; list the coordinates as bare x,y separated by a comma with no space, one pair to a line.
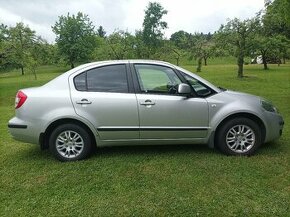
111,78
81,82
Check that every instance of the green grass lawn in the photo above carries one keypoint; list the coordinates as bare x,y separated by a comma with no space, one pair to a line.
153,180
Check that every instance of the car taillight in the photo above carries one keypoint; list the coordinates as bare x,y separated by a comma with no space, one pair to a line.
20,99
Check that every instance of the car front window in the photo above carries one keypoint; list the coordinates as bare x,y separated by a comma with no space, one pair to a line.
157,79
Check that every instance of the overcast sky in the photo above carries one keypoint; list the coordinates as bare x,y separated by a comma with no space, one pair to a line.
189,15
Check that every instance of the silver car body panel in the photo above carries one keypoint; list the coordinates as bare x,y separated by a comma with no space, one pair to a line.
172,117
123,119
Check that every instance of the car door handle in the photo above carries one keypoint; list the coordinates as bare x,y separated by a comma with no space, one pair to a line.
84,102
147,102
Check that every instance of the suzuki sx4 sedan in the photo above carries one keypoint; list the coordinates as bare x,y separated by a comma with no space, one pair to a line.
133,102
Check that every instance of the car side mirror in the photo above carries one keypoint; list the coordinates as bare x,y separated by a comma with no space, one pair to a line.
184,89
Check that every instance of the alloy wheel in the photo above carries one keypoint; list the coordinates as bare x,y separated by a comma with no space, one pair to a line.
240,138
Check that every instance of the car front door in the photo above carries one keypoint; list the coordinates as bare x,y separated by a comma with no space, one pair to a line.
103,96
163,113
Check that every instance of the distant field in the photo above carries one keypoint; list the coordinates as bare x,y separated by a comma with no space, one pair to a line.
153,180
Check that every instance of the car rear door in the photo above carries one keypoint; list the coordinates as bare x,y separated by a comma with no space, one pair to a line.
163,113
103,95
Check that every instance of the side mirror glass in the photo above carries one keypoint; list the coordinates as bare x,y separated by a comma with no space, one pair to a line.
184,89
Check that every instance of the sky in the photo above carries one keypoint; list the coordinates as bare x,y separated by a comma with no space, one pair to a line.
188,15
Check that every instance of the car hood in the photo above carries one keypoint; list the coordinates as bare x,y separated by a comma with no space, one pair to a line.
241,95
229,96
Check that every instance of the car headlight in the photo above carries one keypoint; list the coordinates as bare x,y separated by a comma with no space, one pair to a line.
268,106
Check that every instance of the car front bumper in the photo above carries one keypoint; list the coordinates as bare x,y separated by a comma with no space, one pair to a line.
274,126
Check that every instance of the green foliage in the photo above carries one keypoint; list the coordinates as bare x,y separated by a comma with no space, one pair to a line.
122,45
153,26
4,47
277,17
101,51
180,39
141,49
75,38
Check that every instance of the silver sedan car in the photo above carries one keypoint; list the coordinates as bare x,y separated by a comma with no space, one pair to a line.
132,102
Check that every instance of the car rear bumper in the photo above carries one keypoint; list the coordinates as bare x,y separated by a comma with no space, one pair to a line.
17,126
22,131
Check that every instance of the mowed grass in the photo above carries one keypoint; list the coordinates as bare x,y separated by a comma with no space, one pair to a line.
185,180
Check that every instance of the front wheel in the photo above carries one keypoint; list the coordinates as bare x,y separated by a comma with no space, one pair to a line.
70,142
239,136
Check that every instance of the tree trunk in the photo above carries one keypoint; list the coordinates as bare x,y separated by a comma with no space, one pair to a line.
264,62
34,72
240,66
72,65
199,62
205,61
284,60
241,55
22,70
177,61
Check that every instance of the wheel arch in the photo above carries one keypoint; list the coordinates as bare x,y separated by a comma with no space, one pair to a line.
242,115
44,137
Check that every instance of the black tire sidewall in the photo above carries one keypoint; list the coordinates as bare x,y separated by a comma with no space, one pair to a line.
222,132
81,131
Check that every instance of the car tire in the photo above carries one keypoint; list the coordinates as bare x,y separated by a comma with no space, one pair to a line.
70,142
239,136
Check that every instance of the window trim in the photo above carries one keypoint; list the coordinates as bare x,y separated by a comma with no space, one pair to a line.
128,78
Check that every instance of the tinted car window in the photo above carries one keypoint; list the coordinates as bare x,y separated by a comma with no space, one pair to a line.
157,79
81,82
103,79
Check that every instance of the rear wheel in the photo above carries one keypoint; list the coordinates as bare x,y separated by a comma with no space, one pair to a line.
239,136
70,142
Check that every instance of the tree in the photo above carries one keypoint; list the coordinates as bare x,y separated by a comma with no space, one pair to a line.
180,39
21,40
235,37
38,55
122,45
75,38
269,46
169,52
102,51
4,47
277,17
142,51
153,26
201,47
101,32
